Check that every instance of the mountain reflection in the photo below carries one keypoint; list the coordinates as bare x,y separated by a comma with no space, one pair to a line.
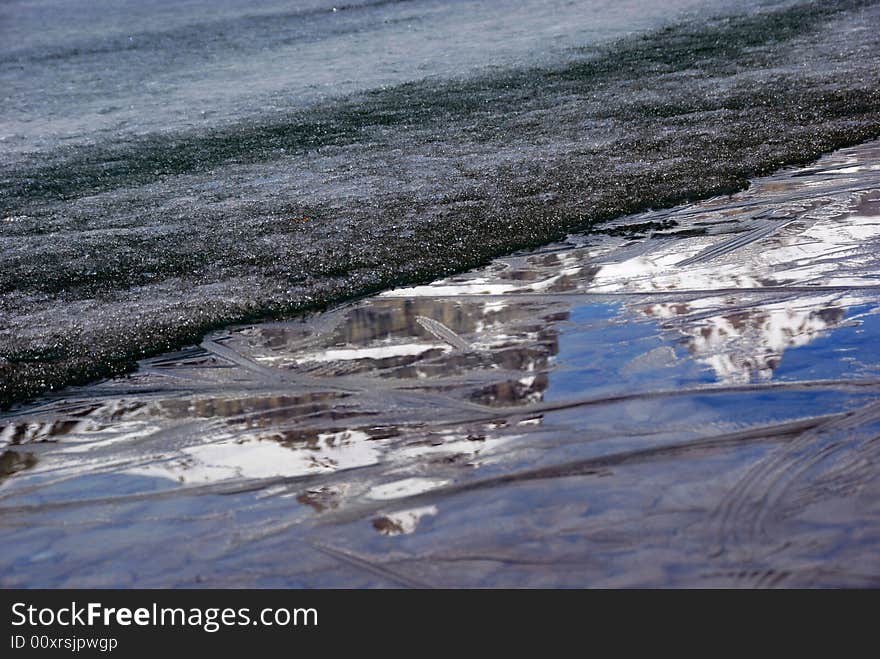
445,377
748,345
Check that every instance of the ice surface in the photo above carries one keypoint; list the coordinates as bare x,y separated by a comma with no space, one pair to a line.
167,172
622,420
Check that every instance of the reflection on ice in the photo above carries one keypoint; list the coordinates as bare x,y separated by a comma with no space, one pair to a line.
743,346
12,462
404,488
377,353
257,458
681,372
403,521
818,249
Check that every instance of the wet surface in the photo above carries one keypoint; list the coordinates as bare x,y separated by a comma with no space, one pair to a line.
689,398
167,169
